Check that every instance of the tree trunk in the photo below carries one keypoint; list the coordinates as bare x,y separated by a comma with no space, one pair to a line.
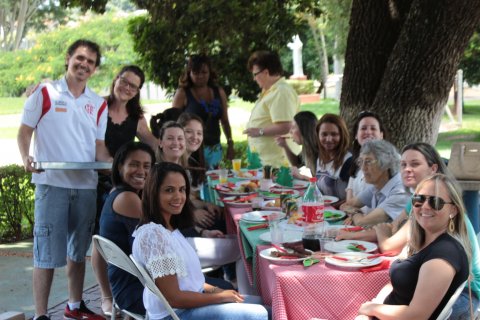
401,61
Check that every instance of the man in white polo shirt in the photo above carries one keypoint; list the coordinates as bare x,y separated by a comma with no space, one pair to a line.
69,121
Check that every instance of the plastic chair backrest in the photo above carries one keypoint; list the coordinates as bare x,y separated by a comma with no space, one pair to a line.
447,310
150,284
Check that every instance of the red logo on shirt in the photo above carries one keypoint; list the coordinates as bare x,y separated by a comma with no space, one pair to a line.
89,108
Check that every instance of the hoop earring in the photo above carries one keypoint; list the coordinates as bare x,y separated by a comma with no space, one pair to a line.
451,225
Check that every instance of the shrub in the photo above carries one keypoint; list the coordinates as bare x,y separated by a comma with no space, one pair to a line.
302,86
240,148
16,203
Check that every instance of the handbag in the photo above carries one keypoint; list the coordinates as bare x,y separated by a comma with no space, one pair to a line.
464,160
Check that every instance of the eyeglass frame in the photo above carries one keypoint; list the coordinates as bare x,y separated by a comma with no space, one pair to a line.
367,162
435,202
255,74
125,83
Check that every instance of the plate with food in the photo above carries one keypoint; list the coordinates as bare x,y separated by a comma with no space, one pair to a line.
215,174
241,188
271,205
275,193
351,246
249,174
332,215
260,216
288,236
238,201
289,257
329,200
356,260
296,185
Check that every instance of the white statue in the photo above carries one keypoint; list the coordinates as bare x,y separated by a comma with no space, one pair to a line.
296,47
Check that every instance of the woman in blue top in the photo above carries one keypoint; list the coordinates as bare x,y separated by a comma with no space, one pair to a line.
199,94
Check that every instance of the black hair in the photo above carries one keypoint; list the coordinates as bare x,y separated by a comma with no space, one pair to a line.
157,121
92,46
134,108
121,156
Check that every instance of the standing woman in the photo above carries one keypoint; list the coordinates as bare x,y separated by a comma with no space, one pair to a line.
125,122
162,249
274,110
303,133
334,158
198,93
367,127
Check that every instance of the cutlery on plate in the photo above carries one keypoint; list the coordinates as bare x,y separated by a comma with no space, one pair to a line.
258,226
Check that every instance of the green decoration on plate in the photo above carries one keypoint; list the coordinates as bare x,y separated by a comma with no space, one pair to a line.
284,177
253,159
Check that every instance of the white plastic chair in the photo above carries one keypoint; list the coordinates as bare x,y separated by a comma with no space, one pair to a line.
148,282
115,256
447,310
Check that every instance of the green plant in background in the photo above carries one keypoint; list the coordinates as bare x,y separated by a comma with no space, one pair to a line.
302,86
16,203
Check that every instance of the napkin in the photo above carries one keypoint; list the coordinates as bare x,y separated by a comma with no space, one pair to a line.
385,264
258,226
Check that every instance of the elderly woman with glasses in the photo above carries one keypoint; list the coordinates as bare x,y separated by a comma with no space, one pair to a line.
274,110
438,255
386,195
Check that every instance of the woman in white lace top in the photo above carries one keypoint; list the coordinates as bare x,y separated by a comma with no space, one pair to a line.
172,262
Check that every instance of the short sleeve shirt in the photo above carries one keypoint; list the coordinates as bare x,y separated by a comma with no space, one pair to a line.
392,198
277,104
66,130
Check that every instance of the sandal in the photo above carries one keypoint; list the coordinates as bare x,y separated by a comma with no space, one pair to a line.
107,312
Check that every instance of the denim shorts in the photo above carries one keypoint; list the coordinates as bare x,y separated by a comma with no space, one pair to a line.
64,221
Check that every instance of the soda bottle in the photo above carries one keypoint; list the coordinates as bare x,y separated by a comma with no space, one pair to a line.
312,203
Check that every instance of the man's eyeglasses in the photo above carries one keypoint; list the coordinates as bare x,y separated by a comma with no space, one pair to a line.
124,83
366,162
257,73
436,203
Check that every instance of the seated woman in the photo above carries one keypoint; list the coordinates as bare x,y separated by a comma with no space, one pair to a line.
303,133
161,248
367,127
334,158
387,196
420,160
120,215
438,255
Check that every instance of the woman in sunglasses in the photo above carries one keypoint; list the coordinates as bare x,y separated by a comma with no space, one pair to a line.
438,255
386,194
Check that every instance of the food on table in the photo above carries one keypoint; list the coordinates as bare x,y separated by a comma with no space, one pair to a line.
331,215
356,247
296,246
294,217
251,186
273,204
294,252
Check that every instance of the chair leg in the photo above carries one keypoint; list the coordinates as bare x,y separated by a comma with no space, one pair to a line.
114,309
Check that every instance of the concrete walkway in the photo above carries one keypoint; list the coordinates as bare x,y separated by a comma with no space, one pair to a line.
16,283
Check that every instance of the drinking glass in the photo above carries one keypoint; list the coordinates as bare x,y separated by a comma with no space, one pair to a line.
236,164
223,175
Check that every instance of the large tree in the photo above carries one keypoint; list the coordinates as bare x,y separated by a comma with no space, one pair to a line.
14,15
401,60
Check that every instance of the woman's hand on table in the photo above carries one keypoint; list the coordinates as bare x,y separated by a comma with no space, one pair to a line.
212,234
214,210
344,235
204,218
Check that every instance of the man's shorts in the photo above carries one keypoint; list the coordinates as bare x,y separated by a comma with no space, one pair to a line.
64,221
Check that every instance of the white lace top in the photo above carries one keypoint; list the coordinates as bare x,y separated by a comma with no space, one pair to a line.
163,253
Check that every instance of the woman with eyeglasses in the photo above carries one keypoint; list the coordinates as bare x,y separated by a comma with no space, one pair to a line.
199,94
171,261
438,255
334,158
386,195
302,132
367,126
274,110
125,122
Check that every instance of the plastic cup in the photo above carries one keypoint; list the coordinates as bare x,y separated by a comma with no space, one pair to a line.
236,164
223,175
257,203
276,233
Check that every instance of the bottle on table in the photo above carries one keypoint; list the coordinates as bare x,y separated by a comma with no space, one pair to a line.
313,209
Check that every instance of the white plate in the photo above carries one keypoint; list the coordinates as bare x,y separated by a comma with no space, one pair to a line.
246,174
297,185
266,255
258,216
328,200
353,260
234,204
342,246
226,191
288,236
267,205
295,227
339,215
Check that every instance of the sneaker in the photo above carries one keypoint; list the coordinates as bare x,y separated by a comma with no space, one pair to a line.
82,313
44,317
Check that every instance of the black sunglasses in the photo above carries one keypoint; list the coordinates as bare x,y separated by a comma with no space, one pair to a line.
436,203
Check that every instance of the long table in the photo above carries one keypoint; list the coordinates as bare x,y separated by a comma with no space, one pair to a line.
295,292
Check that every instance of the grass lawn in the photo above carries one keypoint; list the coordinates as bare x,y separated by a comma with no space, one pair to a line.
240,111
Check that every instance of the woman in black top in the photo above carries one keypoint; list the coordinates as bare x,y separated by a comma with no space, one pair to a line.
199,94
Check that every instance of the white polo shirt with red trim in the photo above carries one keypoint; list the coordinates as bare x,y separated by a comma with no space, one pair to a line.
66,130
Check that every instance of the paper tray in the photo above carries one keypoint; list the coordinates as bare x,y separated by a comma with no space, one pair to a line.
48,165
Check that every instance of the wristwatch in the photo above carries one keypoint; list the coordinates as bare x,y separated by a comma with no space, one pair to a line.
261,132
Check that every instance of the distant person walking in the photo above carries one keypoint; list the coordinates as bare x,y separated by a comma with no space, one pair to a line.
69,122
